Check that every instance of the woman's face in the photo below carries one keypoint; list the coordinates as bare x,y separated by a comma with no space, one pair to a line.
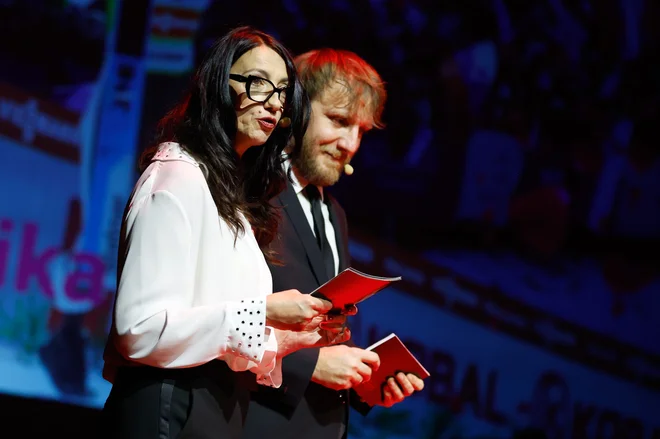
256,121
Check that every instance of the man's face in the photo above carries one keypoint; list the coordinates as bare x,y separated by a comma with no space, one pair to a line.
332,137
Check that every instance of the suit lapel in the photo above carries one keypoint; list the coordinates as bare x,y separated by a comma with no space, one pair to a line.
341,232
296,215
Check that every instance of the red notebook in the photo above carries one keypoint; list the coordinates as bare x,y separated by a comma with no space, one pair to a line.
394,357
351,287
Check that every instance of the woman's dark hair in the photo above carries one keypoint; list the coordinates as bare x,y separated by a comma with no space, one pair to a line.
204,123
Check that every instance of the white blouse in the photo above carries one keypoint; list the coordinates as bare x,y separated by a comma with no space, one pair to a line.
188,292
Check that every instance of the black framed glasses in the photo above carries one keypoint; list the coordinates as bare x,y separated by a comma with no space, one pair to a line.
260,89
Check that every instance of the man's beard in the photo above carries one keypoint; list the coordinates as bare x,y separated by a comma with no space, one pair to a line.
314,172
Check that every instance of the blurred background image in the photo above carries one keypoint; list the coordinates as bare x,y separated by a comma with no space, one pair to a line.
515,188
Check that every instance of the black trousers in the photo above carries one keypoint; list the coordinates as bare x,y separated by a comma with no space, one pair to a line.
208,401
321,413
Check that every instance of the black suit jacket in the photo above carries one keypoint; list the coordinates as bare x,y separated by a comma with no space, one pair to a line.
301,409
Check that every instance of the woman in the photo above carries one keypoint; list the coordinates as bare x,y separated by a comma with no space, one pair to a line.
194,321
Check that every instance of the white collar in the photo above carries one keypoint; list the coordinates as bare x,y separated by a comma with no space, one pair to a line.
168,151
297,186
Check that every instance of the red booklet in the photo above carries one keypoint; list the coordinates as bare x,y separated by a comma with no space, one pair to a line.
394,358
351,287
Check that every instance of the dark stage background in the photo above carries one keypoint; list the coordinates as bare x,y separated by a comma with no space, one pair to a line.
516,189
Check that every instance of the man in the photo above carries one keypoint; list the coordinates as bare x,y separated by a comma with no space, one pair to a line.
347,97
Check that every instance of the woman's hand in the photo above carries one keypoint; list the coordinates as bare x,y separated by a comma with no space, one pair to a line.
335,321
291,341
291,310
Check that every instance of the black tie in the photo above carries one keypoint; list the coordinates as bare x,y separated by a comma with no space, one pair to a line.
319,228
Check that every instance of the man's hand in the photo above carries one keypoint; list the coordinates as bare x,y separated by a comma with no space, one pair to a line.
396,390
342,367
